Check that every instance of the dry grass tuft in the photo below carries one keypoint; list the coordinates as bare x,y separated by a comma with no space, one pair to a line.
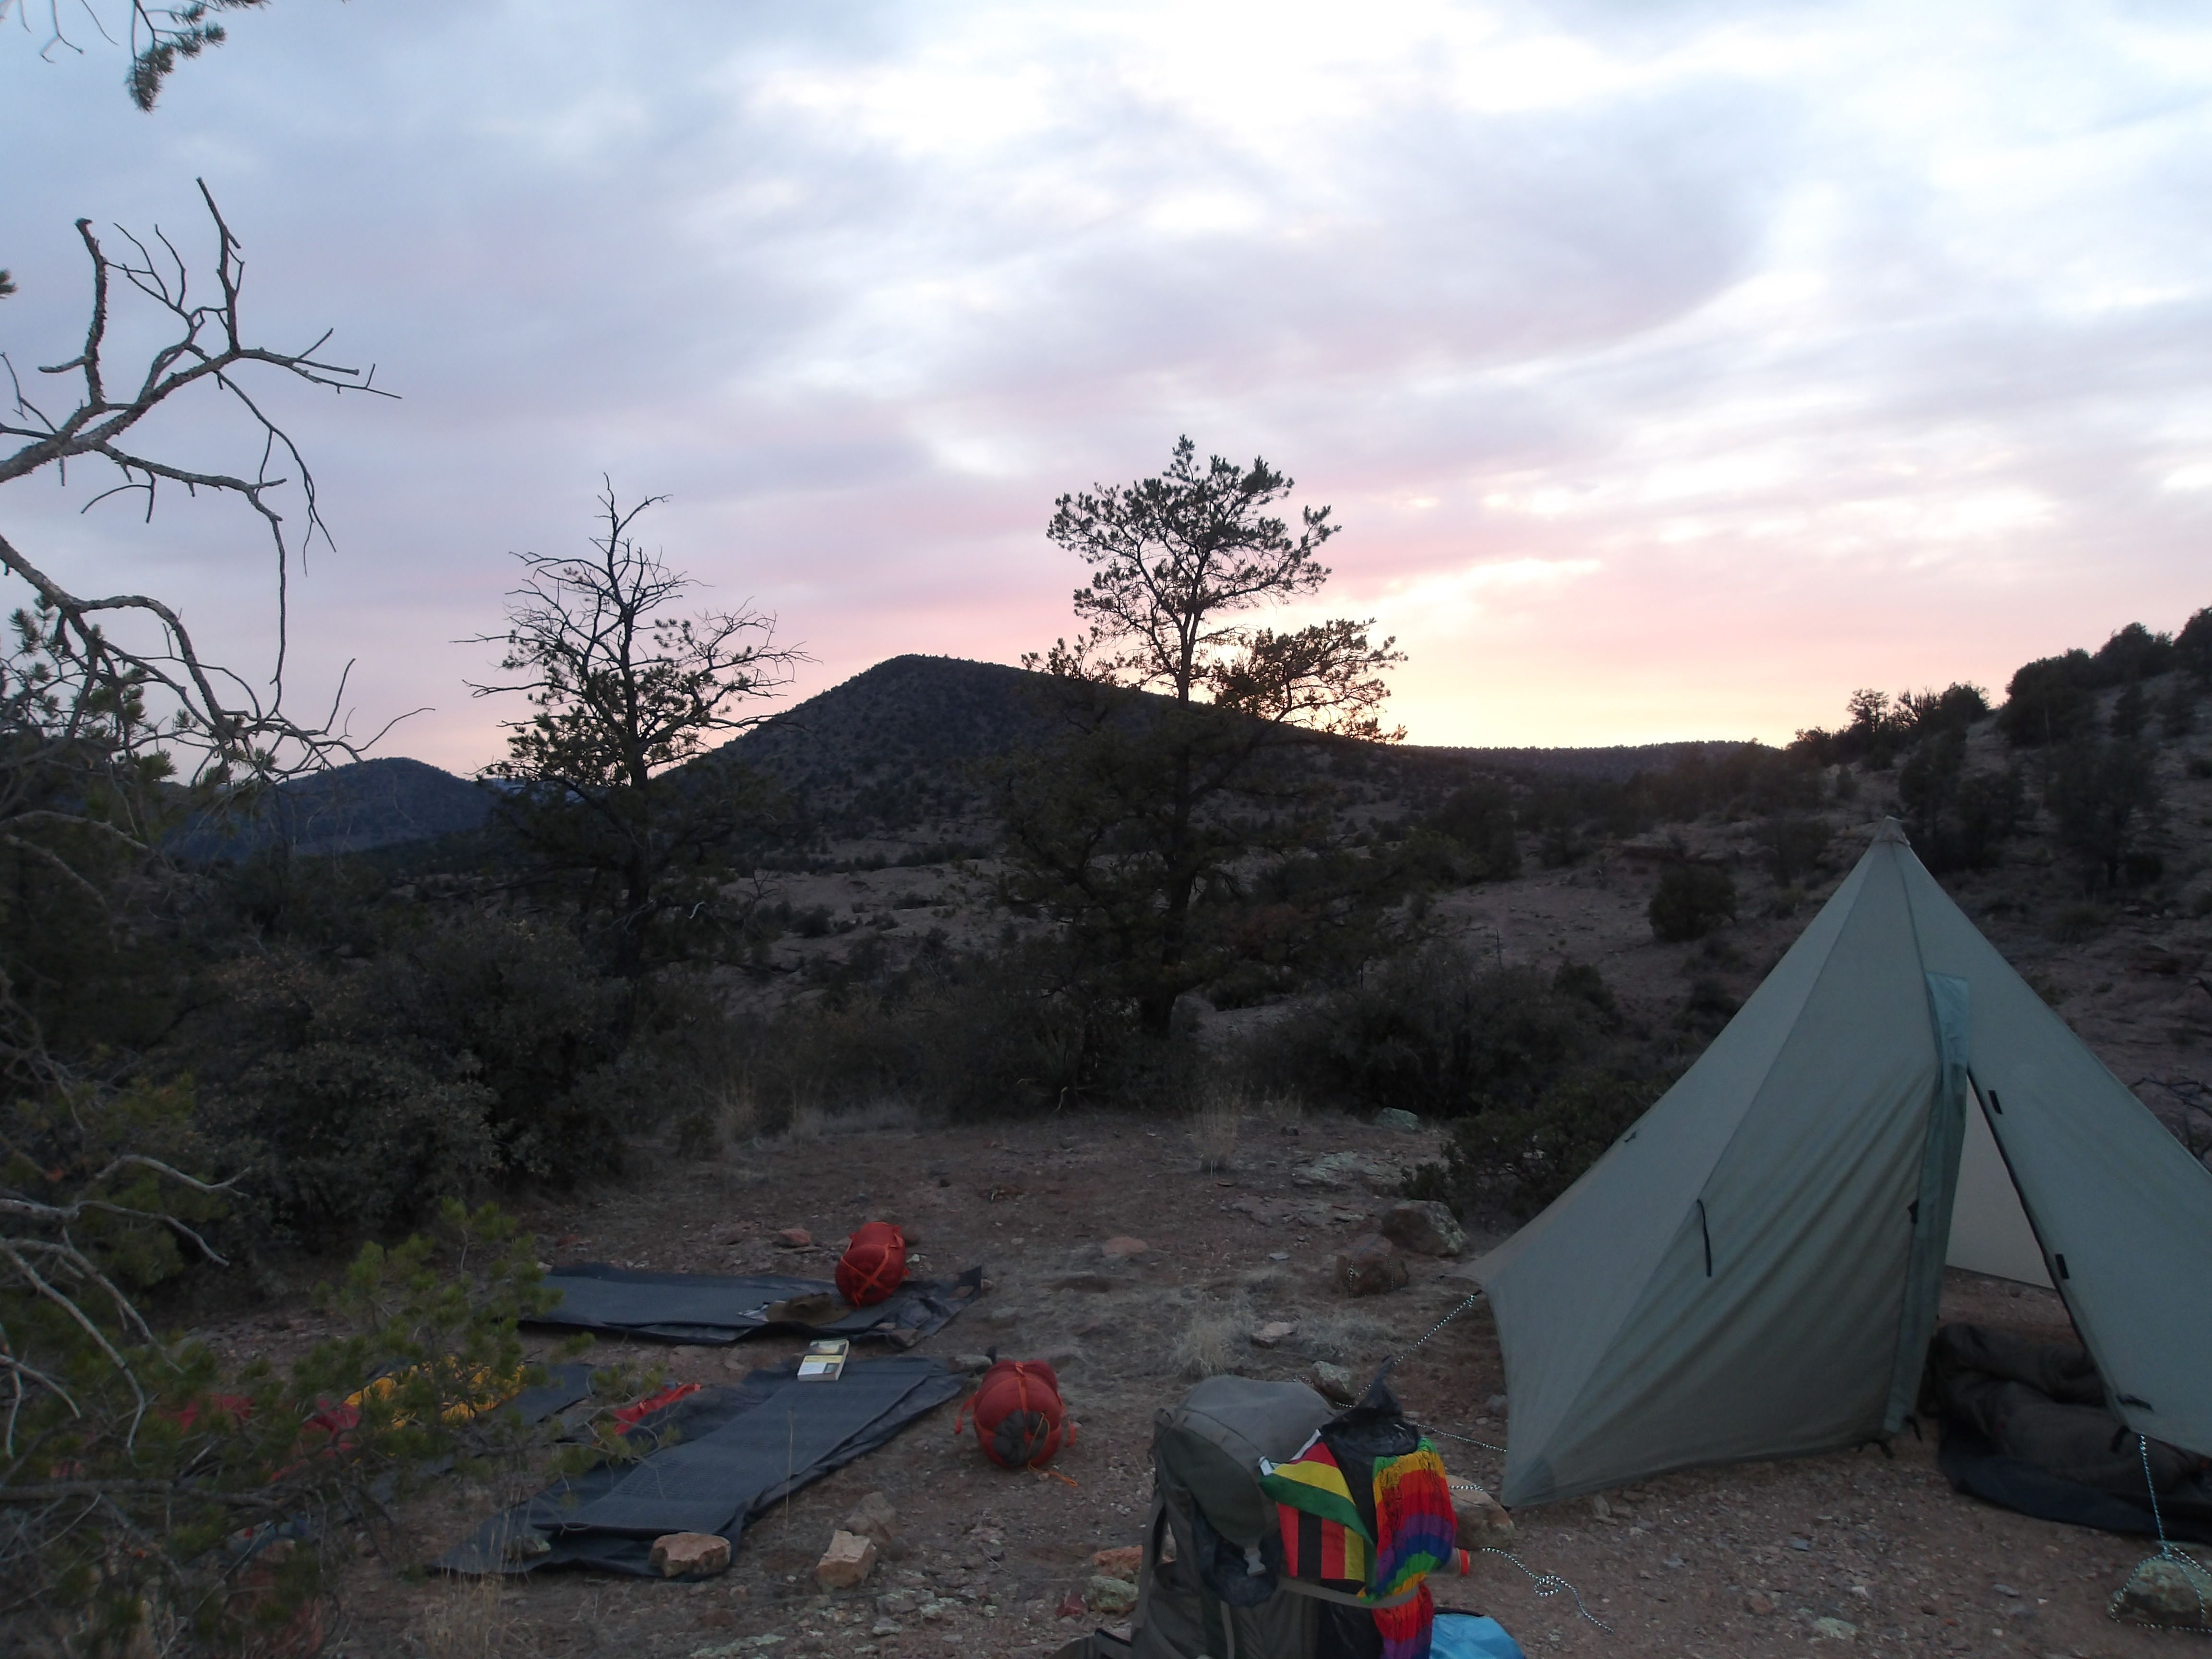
1217,1338
1345,1338
1216,1126
470,1620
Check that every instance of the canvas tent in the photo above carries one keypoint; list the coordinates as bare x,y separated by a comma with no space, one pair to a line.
1752,1270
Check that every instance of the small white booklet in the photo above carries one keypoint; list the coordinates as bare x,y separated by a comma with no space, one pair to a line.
823,1361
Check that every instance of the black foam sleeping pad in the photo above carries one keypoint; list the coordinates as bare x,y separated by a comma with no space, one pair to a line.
713,1461
715,1309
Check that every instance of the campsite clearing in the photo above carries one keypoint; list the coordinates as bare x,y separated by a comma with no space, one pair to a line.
1675,1567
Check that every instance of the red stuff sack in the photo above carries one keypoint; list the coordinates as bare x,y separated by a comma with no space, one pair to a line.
873,1265
1020,1419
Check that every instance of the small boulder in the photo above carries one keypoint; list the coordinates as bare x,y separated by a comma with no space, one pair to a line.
1834,1630
2165,1591
1398,1118
1369,1266
1340,1171
1483,1521
794,1238
1123,1247
974,1364
874,1518
1334,1384
1757,1605
1108,1596
1273,1331
1423,1226
1126,1562
690,1554
847,1562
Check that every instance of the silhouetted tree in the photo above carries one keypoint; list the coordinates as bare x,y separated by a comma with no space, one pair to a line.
1146,805
610,786
2103,795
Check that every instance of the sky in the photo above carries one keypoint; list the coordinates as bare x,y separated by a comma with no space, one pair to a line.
1674,366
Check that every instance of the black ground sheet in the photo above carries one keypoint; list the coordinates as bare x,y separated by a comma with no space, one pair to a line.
713,1309
2026,1427
714,1461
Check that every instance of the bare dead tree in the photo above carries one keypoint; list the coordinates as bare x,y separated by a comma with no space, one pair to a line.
112,722
626,695
215,714
159,36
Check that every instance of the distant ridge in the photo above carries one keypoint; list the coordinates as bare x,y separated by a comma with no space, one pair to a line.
894,746
347,809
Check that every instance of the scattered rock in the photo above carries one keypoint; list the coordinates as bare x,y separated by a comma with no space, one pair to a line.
1601,1508
874,1519
1398,1118
1835,1630
1126,1562
1071,1606
794,1238
849,1561
1273,1331
974,1364
1423,1226
891,1603
886,1627
1760,1604
1334,1384
1279,1256
688,1554
1123,1247
1369,1266
529,1544
1108,1596
2164,1591
1496,1402
1483,1521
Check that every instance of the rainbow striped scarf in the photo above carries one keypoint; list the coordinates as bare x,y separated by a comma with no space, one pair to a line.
1326,1540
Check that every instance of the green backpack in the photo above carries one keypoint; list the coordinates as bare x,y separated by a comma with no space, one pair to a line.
1208,1587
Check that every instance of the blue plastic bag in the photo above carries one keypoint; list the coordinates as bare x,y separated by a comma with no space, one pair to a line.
1469,1635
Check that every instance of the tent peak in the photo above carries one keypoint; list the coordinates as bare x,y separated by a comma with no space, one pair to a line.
1891,830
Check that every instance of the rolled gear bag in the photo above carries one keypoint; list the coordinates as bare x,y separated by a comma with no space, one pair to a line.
1021,1422
873,1266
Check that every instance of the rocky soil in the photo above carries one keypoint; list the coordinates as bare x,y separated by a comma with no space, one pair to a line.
1746,1560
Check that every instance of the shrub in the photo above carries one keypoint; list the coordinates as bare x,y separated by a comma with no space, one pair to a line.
1437,1033
164,1504
2192,647
1691,901
979,1036
1480,817
1793,843
2048,701
2103,796
1519,1158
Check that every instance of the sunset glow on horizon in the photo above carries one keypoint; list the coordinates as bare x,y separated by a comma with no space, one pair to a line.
1674,368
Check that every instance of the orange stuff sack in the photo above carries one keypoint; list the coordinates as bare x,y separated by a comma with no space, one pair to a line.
873,1265
1020,1422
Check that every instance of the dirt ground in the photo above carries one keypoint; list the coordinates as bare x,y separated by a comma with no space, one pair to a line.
1714,1561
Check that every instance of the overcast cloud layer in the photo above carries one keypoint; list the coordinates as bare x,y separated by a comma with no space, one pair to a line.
1674,368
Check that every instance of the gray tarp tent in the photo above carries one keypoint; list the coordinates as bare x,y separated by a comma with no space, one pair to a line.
1752,1270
